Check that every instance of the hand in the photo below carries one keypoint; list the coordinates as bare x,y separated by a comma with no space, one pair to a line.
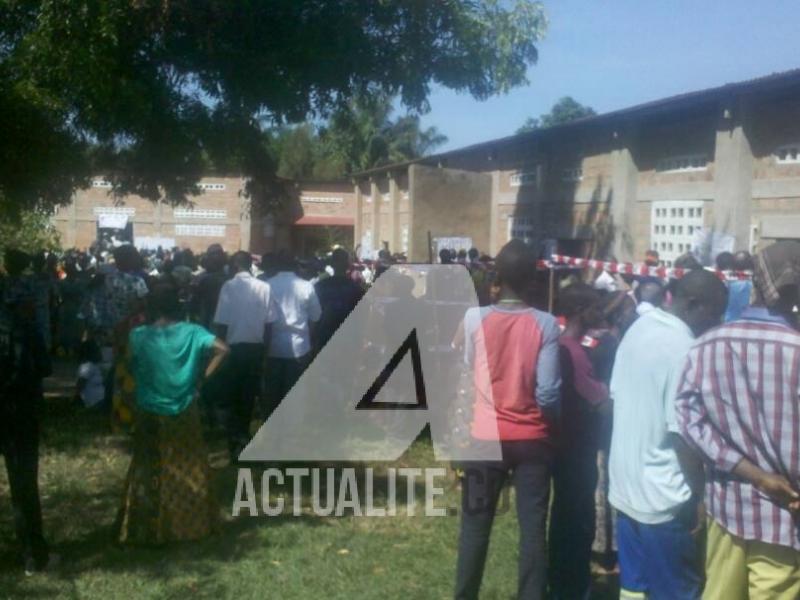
700,525
778,489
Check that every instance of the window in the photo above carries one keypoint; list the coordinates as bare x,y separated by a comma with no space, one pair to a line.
386,197
101,183
404,194
404,239
572,175
200,230
211,187
520,228
674,225
114,210
200,213
322,199
521,178
787,155
682,164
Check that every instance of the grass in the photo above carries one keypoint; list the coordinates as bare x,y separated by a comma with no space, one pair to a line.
82,467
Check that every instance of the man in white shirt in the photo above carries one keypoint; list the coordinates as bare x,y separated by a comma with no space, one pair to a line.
297,308
656,483
244,313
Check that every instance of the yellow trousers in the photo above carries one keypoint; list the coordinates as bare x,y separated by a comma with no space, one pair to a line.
738,569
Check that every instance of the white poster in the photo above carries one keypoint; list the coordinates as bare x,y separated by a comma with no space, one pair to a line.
112,221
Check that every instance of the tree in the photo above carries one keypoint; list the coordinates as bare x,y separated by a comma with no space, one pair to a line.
565,110
152,91
362,135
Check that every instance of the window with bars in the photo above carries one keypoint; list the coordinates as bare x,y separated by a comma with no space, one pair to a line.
683,163
322,199
114,210
572,174
520,228
674,224
196,230
211,187
101,183
200,213
521,178
788,154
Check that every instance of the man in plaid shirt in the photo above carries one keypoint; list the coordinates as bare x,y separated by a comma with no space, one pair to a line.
739,406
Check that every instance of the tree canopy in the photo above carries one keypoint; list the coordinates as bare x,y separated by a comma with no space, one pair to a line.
565,110
359,135
153,91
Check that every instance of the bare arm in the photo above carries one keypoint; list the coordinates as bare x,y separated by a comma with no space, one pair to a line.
774,486
219,351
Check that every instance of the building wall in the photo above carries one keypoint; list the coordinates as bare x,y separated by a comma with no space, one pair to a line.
447,203
774,134
213,216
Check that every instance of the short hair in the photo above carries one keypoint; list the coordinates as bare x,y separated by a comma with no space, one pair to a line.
127,258
164,301
651,290
516,266
724,261
743,261
687,261
577,298
242,261
340,259
16,261
473,253
653,253
700,284
445,256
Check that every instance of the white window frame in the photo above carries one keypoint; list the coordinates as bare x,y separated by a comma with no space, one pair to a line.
199,213
114,210
208,186
673,224
682,163
199,230
523,178
322,199
791,154
519,226
387,197
572,174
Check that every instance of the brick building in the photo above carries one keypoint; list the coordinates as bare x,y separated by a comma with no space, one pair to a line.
722,164
314,216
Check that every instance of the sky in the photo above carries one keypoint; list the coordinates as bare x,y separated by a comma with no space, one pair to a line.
610,54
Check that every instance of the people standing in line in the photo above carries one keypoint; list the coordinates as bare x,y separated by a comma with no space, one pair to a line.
168,495
739,290
297,308
583,394
24,362
245,312
739,406
655,480
512,349
338,296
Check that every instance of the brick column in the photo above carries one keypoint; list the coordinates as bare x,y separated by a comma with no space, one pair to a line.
733,176
624,180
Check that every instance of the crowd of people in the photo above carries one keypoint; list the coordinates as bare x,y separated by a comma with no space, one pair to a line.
640,420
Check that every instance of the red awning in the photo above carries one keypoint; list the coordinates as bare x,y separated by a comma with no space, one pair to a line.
324,220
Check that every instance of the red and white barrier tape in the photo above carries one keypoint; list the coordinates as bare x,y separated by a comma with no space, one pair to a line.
640,269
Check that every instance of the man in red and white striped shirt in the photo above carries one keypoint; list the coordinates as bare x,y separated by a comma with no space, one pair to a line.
739,406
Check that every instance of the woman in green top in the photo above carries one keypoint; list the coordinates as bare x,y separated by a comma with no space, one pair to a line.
167,491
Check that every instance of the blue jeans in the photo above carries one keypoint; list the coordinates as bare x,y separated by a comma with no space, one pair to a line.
663,560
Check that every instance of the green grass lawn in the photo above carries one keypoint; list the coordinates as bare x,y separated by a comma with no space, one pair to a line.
81,474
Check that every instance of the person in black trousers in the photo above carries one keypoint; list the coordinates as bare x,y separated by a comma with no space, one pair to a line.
23,362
